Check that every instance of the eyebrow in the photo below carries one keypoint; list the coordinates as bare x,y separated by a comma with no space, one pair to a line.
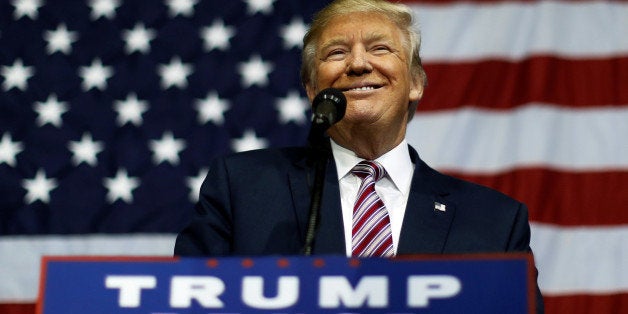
373,37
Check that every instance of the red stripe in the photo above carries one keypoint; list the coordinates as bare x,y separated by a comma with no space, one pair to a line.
17,308
565,198
368,191
505,84
614,303
366,217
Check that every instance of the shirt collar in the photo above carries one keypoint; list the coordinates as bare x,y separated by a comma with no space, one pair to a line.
397,162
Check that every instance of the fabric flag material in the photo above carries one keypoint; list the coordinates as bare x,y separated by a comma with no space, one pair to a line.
110,112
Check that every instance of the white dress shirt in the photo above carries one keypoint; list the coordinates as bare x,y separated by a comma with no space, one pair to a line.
393,189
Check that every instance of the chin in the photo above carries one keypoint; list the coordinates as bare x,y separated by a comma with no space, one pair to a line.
360,118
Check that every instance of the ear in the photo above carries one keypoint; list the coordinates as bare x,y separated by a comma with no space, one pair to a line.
310,91
416,90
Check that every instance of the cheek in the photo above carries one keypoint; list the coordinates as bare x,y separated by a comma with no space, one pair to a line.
327,73
395,72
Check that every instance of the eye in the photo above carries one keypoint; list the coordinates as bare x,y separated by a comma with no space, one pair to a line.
336,54
381,49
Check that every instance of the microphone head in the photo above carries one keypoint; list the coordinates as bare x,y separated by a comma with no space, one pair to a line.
334,96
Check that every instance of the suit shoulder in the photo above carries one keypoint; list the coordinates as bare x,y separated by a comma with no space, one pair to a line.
260,159
460,189
268,154
465,189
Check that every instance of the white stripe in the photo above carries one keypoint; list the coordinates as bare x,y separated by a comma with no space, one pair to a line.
514,30
570,260
21,256
581,260
481,140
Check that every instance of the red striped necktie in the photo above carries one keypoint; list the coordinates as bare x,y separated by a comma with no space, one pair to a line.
371,233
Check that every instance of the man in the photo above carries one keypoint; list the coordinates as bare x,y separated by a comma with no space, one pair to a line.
257,202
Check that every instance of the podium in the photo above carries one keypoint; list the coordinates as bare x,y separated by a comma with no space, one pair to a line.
324,284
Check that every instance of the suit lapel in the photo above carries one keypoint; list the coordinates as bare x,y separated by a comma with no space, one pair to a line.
330,233
428,215
330,237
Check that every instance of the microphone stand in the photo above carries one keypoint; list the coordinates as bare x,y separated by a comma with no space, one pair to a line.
328,107
319,155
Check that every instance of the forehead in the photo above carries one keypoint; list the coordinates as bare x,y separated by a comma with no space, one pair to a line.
359,26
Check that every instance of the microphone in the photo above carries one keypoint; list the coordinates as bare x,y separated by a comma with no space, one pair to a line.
328,107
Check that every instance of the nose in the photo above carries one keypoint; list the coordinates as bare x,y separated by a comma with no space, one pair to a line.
358,62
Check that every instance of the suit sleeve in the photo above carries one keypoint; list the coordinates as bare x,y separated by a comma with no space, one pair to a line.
520,233
210,232
520,242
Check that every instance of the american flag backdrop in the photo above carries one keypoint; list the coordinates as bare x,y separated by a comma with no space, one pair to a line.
111,110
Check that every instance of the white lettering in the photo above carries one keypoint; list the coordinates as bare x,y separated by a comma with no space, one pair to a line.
335,291
204,289
130,288
423,288
253,293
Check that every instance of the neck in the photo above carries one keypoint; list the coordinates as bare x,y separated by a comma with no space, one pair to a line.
367,142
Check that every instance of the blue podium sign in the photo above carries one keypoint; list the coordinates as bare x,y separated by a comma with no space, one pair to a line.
330,284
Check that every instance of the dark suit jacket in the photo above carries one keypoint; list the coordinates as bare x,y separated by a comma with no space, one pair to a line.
257,203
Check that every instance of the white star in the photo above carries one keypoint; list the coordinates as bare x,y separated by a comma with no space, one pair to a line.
183,7
212,108
167,149
16,75
293,33
85,150
255,71
264,6
194,183
248,141
217,36
292,108
9,149
138,38
60,40
95,75
121,187
38,188
26,7
50,111
174,74
106,8
130,110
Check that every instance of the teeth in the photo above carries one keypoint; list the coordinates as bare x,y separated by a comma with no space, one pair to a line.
364,88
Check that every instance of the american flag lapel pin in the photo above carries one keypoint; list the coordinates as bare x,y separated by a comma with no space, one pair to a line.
439,206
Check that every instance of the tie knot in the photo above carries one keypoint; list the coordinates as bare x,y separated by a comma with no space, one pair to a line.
366,168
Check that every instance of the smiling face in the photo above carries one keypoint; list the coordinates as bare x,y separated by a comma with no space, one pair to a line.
362,54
